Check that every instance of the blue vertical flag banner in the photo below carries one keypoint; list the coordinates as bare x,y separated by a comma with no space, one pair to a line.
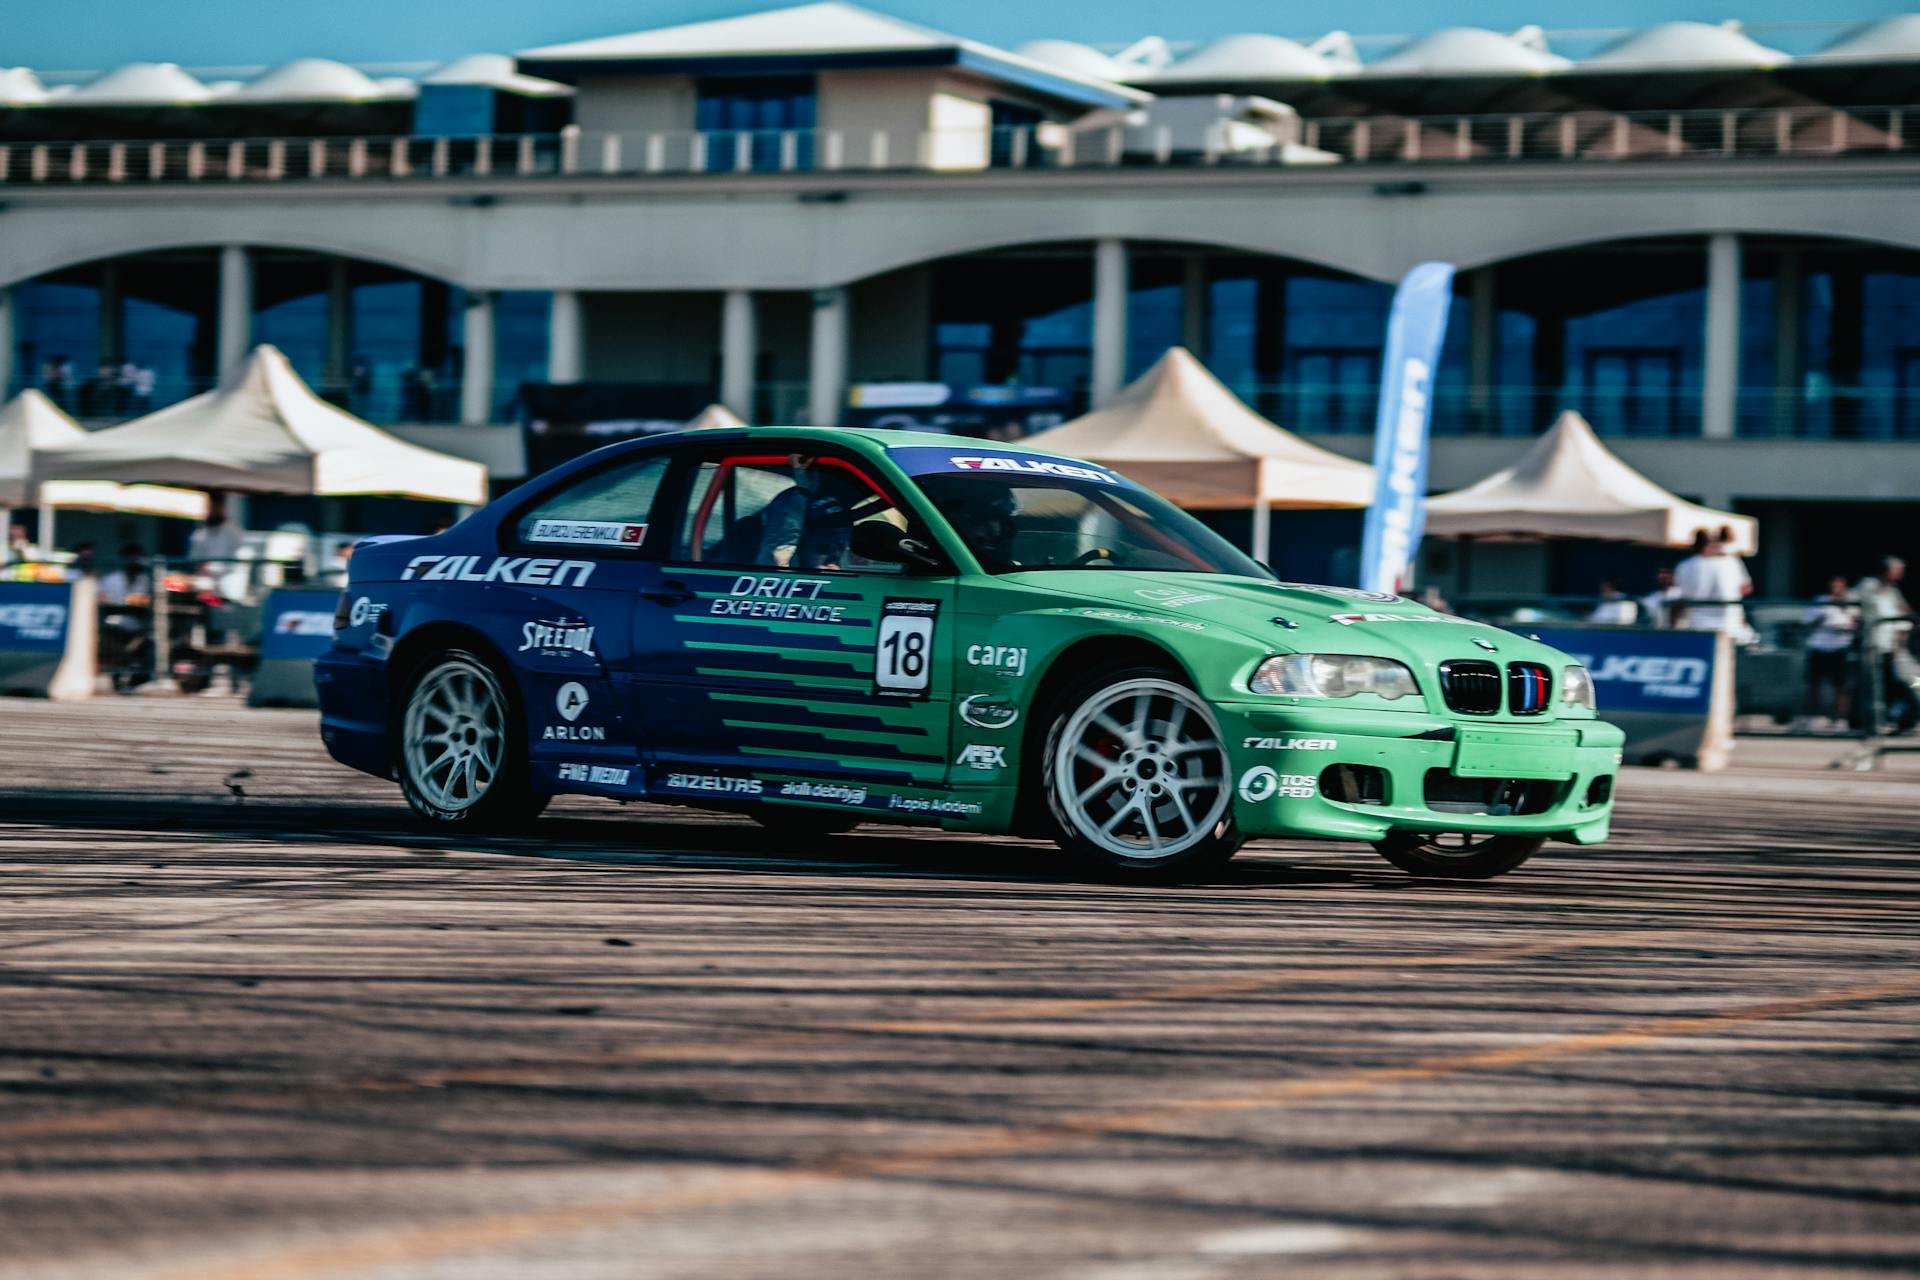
1398,515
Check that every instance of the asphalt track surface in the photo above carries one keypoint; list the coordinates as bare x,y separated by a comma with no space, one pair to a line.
255,1024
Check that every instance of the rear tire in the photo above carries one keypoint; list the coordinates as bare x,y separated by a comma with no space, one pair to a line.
1456,857
461,747
1135,776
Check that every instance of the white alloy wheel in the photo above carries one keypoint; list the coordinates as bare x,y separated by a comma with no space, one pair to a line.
1139,772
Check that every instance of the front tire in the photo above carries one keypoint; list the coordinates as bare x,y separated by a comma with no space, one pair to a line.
462,749
1456,856
1136,779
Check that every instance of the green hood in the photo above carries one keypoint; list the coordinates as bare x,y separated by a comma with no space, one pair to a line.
1250,606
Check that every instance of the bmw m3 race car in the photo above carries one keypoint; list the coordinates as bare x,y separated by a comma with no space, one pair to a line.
825,627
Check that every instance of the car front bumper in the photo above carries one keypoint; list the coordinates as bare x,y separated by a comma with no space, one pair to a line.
1299,746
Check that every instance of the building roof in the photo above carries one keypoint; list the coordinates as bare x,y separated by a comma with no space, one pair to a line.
496,71
1253,56
309,80
1070,55
814,37
1895,39
139,84
1683,46
1471,51
19,87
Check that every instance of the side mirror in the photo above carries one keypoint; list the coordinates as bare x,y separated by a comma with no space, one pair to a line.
885,543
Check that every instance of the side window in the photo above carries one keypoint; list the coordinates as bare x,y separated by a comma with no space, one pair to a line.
607,509
781,511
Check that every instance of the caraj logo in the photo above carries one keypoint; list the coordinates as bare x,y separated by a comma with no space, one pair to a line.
1033,466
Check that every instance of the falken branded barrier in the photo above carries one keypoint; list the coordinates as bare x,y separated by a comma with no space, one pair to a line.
1671,691
47,643
295,628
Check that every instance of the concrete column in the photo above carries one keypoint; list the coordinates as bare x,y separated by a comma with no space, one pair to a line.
827,361
113,316
739,349
1789,300
1109,319
476,369
1483,311
339,321
1193,305
7,341
235,327
1720,394
566,345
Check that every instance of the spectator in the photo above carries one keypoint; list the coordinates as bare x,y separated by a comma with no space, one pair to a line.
218,540
20,548
1656,607
56,378
1886,612
1836,624
131,580
85,562
1712,583
144,380
1432,598
1614,609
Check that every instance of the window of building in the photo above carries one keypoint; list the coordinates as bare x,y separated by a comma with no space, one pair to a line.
773,117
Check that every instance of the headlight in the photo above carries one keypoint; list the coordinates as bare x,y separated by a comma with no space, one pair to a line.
1576,688
1332,675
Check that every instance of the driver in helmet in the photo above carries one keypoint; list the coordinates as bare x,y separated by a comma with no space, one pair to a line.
984,514
809,525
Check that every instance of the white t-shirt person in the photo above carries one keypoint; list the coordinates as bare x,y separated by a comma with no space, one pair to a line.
1718,577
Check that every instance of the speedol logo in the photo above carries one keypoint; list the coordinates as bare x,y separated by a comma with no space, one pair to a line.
557,637
713,782
1290,744
978,755
1033,467
35,621
570,701
521,571
604,775
1008,660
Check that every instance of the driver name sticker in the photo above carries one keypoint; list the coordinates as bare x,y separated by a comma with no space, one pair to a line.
903,649
615,535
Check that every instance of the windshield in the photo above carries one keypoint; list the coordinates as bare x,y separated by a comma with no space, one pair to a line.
1012,522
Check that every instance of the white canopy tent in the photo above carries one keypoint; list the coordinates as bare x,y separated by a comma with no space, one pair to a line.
263,430
715,415
1570,485
30,426
1180,433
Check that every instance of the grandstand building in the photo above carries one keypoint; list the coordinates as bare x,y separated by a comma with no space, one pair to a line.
1703,243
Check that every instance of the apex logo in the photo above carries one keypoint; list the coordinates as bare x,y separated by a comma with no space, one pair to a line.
980,756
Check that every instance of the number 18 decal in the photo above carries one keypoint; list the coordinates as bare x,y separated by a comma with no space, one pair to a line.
903,651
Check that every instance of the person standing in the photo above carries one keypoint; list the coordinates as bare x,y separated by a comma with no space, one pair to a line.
1656,607
1614,609
1712,582
1887,615
1835,620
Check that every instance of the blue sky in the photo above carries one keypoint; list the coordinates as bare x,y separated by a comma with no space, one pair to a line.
105,33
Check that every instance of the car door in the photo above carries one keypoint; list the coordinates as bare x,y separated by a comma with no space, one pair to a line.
770,655
570,637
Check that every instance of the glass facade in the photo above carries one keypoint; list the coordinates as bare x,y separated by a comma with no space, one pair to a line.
773,116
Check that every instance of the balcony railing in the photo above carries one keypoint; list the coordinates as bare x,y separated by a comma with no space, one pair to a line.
1603,136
